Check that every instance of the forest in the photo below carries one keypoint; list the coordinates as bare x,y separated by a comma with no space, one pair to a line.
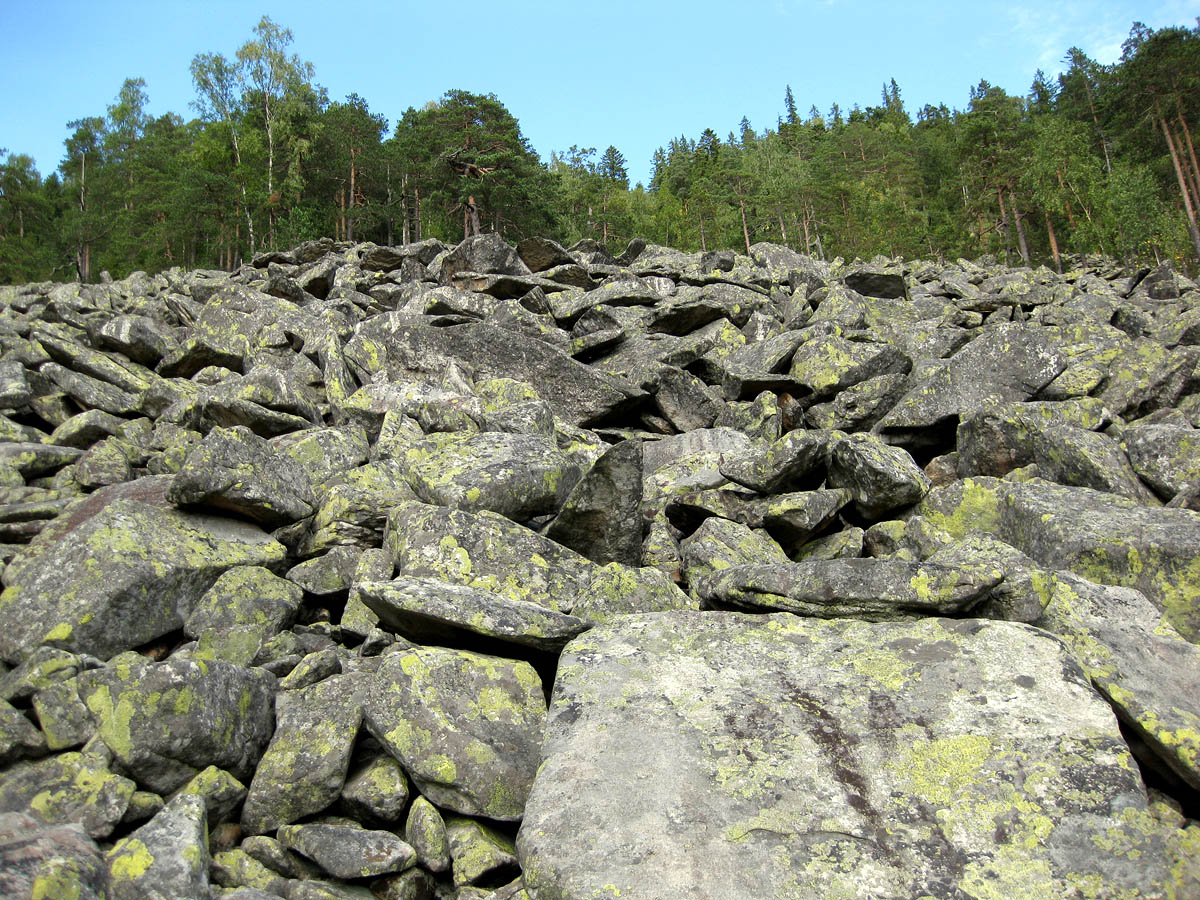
1100,160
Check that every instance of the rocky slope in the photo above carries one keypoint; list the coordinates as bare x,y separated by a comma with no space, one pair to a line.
488,572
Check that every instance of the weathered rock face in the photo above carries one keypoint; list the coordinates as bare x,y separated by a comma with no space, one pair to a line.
480,572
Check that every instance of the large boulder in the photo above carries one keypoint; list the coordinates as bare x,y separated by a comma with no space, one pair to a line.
718,755
127,568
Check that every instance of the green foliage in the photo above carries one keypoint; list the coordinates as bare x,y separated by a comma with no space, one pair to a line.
1099,160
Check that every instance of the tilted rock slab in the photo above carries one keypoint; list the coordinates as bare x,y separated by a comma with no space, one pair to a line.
717,755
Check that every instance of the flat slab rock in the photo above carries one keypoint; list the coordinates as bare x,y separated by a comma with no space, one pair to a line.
719,755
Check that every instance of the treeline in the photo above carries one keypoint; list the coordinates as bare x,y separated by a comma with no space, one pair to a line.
1101,160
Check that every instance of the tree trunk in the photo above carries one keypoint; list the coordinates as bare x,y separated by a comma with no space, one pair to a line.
416,214
1183,188
782,228
745,230
350,221
1053,243
1004,223
1187,144
1022,245
703,243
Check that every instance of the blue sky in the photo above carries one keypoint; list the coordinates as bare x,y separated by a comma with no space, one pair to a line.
631,74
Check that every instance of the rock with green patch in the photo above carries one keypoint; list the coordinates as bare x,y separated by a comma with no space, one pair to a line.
377,791
830,364
478,852
328,574
164,722
794,462
314,667
879,478
790,518
996,441
325,453
1104,538
304,768
18,738
239,872
68,788
1145,376
871,589
235,470
62,715
518,476
411,884
353,511
430,611
485,551
244,608
1144,668
167,857
120,569
425,830
1008,363
44,667
1027,587
617,590
57,862
601,516
786,757
278,858
466,727
219,790
348,853
1167,457
35,460
721,544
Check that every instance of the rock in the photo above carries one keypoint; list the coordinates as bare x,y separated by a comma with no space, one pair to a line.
1166,457
908,794
167,857
478,852
244,608
830,364
870,589
1102,537
433,611
235,470
795,461
220,792
517,476
349,852
164,722
67,788
425,830
128,569
601,516
303,770
879,478
466,727
49,861
377,791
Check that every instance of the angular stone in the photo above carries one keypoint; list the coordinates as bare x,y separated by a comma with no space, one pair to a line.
721,544
164,722
478,852
828,365
18,738
220,792
234,469
617,590
783,757
487,552
467,728
795,461
49,862
1167,457
166,857
430,611
346,852
879,478
67,788
1104,538
304,768
601,516
517,476
377,791
127,569
871,589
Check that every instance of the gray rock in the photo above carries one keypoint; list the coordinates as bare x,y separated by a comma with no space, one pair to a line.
517,476
128,569
432,611
879,478
467,728
786,757
304,768
478,852
794,462
235,470
68,788
349,852
1166,457
166,857
830,364
425,830
377,791
53,861
164,722
601,516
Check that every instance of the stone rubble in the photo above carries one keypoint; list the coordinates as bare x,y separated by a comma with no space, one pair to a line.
534,574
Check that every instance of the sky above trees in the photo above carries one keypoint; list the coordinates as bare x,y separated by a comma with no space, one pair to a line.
628,74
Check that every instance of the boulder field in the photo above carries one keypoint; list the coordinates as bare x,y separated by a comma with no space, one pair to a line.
537,574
